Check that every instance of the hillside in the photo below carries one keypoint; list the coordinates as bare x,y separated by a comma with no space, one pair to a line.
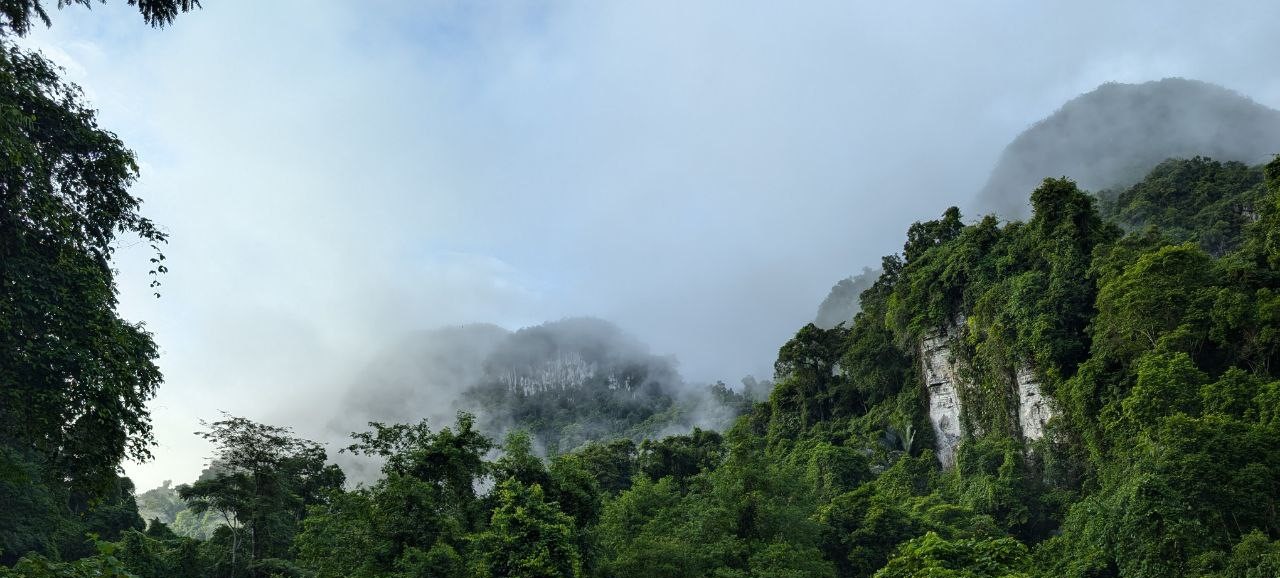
1092,392
1056,396
579,380
1078,379
1112,136
566,382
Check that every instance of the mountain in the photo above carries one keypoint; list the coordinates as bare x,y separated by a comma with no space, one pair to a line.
579,380
566,382
1112,136
1091,392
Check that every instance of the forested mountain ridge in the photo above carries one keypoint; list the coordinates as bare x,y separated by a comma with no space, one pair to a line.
1153,356
1112,136
566,382
1107,140
1091,392
580,380
899,444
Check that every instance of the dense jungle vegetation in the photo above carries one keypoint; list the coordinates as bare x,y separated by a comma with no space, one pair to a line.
1150,316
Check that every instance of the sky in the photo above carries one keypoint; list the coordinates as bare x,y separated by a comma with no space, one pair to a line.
335,175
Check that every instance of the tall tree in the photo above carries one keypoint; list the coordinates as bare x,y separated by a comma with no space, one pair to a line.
415,520
267,477
74,375
527,537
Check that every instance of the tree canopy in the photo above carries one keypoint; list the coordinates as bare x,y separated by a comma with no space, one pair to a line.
18,16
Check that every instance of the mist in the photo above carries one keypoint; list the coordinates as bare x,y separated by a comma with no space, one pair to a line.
566,383
337,177
1111,137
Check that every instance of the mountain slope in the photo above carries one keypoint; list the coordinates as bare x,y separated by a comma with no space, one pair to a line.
1113,135
567,382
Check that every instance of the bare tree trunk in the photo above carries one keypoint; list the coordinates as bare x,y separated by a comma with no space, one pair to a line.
235,541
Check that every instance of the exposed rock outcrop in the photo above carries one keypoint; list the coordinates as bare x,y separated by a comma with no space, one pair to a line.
945,381
1034,409
942,380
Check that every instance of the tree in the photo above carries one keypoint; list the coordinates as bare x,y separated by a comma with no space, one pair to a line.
104,565
681,456
527,537
1160,292
610,464
74,376
338,538
931,555
449,462
415,520
266,479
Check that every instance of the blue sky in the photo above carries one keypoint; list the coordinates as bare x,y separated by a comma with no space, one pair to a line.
338,174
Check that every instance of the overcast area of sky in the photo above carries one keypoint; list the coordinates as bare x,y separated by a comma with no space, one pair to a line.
338,174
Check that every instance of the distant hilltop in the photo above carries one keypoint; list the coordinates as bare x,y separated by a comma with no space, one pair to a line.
1112,136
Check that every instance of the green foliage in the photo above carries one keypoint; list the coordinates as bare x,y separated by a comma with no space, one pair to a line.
33,512
266,478
680,457
1162,291
1254,557
1156,351
637,535
417,517
103,565
1199,200
337,538
161,556
931,555
527,537
749,516
1167,384
611,465
74,376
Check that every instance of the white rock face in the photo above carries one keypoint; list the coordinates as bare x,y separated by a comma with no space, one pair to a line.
943,382
1034,409
944,401
566,371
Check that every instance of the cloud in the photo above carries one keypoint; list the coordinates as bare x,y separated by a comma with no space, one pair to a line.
335,175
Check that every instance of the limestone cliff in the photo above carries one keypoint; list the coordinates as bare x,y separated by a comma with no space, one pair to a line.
1034,409
947,387
940,377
